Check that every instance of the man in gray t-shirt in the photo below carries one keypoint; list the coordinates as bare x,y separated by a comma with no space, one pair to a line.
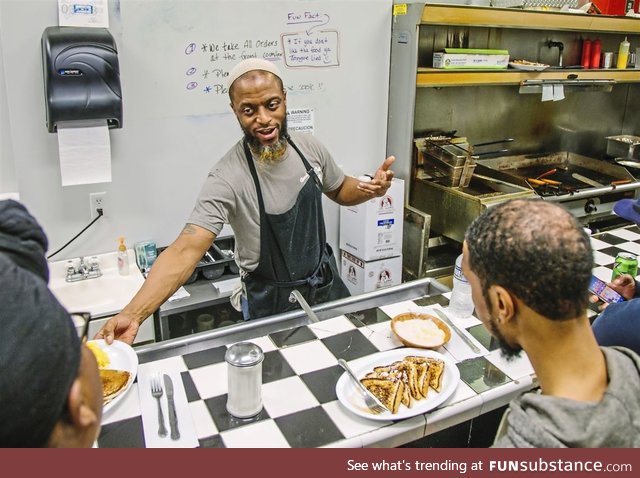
268,188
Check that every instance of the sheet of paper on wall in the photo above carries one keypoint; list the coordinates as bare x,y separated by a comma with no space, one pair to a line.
547,92
301,120
83,13
85,152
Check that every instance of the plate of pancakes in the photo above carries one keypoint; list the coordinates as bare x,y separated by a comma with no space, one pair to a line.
118,366
408,381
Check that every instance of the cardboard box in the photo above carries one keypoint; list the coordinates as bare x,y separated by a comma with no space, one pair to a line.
373,230
467,58
362,276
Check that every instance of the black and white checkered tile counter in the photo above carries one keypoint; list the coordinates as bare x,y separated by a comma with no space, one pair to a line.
300,372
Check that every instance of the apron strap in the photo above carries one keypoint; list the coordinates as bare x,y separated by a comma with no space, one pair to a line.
312,174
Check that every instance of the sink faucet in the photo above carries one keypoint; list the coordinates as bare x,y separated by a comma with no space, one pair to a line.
83,268
296,296
83,271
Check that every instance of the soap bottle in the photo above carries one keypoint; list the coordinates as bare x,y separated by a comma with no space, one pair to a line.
623,55
123,258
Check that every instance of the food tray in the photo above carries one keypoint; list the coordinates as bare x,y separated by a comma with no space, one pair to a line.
623,146
216,262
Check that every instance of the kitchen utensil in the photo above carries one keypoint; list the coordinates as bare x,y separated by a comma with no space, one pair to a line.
628,163
156,392
547,173
173,418
467,340
618,182
369,399
495,152
587,180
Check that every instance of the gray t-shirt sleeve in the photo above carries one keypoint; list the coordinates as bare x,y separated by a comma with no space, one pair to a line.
214,204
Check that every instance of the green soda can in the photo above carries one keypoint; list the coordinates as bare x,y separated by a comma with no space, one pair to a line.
625,263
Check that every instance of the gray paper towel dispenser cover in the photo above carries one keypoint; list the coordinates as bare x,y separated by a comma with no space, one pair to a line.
81,76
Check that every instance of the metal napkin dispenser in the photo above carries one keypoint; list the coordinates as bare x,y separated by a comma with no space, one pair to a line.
81,76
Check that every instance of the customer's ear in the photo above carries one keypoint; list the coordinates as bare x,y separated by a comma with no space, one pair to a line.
502,303
80,411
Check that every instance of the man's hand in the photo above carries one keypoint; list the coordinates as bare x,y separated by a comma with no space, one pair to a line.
624,284
120,327
381,180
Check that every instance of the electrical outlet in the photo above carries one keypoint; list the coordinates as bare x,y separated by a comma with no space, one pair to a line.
97,201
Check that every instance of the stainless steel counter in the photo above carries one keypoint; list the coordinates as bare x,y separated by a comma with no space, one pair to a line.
275,323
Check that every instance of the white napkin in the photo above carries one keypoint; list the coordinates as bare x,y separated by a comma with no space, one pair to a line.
181,293
558,92
227,286
547,92
149,409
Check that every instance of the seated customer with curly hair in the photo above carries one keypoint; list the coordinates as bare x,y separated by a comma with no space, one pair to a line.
529,264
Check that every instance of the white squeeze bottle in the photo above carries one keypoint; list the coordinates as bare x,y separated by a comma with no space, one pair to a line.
461,303
623,54
123,258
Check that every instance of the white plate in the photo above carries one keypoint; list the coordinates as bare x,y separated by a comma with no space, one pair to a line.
352,400
525,67
122,357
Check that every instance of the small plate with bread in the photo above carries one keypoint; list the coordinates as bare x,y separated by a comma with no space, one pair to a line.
118,366
408,381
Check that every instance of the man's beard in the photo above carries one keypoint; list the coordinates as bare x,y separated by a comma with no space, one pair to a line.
508,351
267,154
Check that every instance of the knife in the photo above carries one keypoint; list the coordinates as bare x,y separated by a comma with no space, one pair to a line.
468,341
587,180
173,419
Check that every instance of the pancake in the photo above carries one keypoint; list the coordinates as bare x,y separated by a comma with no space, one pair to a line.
113,382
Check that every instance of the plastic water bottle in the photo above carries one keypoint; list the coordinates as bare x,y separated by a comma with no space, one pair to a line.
461,303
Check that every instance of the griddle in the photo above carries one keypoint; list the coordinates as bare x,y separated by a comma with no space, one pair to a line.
524,170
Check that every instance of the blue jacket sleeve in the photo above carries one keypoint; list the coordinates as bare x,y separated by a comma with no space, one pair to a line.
619,324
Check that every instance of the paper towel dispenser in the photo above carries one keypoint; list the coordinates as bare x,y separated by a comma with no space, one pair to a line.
81,76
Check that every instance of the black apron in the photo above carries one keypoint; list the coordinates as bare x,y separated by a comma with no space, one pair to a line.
294,253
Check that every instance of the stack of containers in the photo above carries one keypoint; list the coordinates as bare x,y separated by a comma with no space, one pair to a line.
371,241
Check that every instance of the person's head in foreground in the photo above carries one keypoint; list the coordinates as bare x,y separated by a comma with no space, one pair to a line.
529,263
51,393
259,101
527,258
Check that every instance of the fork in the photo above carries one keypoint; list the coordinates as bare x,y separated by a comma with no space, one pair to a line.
156,392
370,400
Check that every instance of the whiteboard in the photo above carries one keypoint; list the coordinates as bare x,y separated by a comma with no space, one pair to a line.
182,52
333,55
172,134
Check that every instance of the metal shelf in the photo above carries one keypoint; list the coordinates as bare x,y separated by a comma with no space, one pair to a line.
527,19
435,77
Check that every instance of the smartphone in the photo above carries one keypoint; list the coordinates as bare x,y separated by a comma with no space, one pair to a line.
602,290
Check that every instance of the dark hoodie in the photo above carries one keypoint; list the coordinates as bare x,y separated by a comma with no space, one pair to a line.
39,346
542,421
